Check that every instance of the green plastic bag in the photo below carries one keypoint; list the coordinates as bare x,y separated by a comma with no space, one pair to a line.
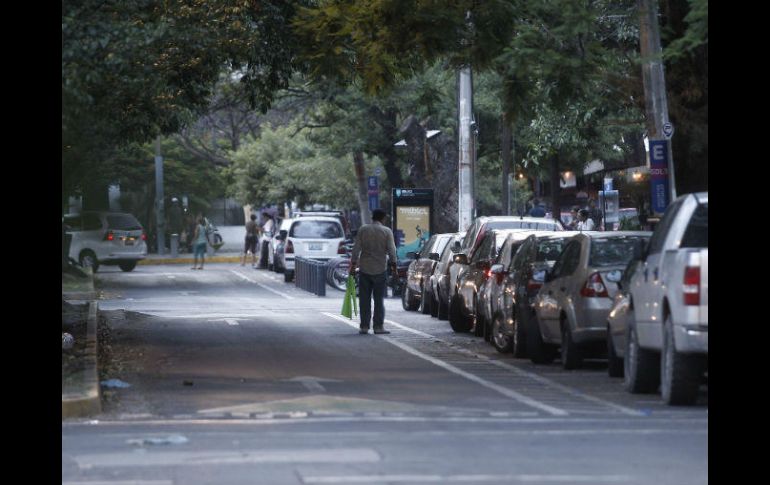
349,303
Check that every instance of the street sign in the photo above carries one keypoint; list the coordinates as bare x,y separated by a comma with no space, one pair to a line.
668,129
659,175
377,171
374,193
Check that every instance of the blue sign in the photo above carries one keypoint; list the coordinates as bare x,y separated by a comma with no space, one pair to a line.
659,175
374,193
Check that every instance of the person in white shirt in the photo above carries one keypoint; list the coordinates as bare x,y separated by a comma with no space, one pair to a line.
586,223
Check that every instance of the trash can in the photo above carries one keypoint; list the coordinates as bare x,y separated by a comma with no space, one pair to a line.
174,245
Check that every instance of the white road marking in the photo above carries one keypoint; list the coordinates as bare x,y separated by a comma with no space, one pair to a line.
280,293
531,375
490,385
467,478
311,383
231,321
135,458
123,482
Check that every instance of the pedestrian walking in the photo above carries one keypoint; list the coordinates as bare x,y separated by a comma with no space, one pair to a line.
585,223
250,242
374,245
200,238
537,209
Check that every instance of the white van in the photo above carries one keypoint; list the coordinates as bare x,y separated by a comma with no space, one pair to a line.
313,237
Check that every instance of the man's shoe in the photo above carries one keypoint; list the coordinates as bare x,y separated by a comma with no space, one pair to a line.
363,330
380,331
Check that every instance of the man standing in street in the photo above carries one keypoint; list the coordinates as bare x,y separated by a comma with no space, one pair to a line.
374,243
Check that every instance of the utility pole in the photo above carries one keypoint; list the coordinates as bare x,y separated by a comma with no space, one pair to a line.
465,151
656,103
160,214
506,137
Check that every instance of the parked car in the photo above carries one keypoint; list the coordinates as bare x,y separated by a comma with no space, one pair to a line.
109,238
439,280
314,237
617,321
506,299
470,281
572,306
469,246
276,247
628,219
667,341
417,291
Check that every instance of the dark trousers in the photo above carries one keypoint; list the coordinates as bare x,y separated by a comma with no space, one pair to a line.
368,284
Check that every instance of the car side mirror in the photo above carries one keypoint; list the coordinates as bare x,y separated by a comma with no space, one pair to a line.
412,255
460,258
456,247
434,256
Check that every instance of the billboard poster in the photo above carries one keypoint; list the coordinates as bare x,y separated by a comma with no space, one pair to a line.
412,228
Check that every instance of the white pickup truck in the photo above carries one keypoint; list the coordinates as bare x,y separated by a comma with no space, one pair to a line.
667,338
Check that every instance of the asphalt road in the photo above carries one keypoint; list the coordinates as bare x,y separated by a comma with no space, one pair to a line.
239,378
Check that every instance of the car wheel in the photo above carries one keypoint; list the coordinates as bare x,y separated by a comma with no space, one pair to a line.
500,340
641,367
443,310
433,306
680,373
457,321
614,363
571,357
127,266
539,351
408,301
425,301
88,260
519,341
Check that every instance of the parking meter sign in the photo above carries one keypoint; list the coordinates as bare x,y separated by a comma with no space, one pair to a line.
659,175
668,129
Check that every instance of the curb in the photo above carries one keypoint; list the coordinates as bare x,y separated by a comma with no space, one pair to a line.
85,404
190,260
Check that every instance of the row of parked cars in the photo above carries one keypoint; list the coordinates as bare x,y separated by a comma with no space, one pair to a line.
527,286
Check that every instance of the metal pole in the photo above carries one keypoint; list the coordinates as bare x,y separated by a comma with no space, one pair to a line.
654,80
465,162
160,215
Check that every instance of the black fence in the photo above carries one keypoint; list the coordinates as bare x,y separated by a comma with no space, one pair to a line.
310,275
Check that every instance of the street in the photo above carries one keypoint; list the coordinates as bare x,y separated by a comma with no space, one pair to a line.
239,378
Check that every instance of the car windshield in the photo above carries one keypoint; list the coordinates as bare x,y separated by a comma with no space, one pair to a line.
615,251
549,250
534,225
316,229
123,222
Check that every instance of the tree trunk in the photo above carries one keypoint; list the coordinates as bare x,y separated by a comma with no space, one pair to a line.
363,191
506,137
555,187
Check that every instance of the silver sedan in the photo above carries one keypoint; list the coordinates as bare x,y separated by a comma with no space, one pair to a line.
573,304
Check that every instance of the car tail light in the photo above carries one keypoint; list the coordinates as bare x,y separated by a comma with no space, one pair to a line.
594,287
110,236
289,248
487,273
692,285
144,236
341,248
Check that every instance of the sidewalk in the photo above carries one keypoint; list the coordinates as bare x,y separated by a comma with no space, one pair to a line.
80,393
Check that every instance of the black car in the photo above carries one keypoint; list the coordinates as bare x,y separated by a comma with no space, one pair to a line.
416,294
515,286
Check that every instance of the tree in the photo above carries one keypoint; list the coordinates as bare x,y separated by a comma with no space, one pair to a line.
132,69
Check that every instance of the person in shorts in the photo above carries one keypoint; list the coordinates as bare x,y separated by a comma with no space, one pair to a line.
250,242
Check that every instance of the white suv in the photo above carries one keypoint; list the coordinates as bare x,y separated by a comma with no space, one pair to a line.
110,238
314,237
